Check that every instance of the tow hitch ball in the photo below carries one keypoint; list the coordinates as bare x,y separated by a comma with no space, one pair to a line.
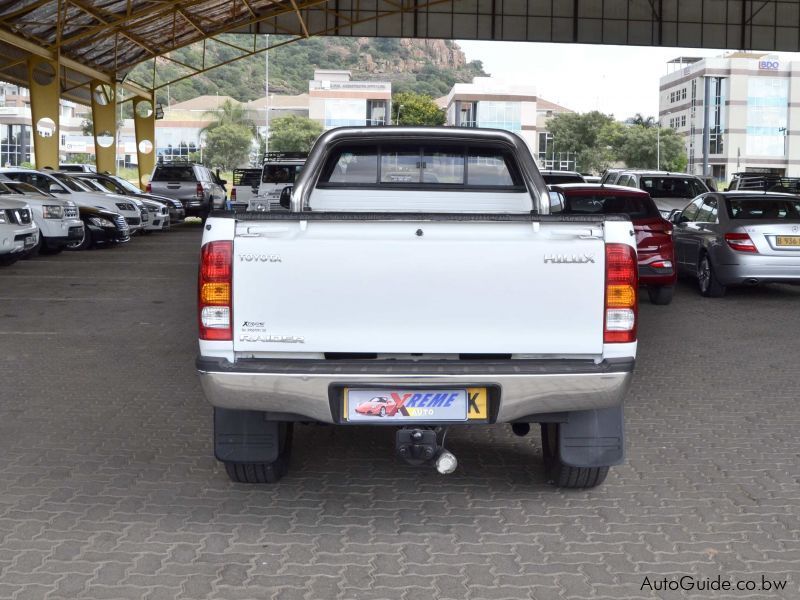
419,446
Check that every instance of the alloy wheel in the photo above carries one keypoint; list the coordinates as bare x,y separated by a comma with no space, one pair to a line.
704,274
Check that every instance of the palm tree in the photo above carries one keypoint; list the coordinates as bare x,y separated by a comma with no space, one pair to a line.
228,113
639,119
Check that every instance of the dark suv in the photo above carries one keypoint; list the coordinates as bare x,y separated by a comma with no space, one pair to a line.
198,189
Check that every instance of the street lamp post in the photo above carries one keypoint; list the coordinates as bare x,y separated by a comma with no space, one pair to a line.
658,144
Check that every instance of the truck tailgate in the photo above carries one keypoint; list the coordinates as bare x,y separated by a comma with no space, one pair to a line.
424,287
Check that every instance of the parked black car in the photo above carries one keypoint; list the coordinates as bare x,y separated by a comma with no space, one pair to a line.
101,227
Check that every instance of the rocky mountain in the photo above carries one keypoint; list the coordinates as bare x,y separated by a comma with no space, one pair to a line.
423,66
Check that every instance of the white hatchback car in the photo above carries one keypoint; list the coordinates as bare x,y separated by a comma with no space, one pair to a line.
18,231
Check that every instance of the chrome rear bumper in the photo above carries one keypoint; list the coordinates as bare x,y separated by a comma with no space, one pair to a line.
304,387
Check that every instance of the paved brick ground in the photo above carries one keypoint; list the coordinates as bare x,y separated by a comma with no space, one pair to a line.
108,488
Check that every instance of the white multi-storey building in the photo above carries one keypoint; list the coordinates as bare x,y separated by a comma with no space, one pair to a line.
488,102
753,112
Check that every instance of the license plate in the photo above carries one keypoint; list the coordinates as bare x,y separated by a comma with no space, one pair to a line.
788,240
395,406
28,242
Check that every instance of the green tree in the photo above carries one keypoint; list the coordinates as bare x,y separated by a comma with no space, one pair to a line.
229,113
227,146
587,135
416,109
639,148
293,134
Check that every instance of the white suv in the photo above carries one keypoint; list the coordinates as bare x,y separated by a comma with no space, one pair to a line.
58,220
18,232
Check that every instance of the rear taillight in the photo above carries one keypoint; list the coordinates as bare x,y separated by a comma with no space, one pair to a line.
740,242
215,291
199,190
622,281
233,194
148,189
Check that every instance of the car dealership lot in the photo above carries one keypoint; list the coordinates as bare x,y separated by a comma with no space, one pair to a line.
108,486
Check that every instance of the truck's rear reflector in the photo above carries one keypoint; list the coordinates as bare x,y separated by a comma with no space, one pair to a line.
621,303
233,195
214,291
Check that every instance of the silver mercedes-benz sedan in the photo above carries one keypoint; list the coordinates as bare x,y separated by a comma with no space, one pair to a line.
738,238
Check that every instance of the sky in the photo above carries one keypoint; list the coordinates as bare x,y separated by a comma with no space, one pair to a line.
621,80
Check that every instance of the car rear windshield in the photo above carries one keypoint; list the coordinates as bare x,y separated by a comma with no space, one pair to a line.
172,173
279,173
557,178
766,209
672,187
636,207
429,166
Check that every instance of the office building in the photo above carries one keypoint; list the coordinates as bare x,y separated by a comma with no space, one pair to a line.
753,102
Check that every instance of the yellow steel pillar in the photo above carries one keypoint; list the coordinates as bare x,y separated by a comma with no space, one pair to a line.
104,122
144,120
43,82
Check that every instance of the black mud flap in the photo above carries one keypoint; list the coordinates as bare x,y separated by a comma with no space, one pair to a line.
593,438
245,436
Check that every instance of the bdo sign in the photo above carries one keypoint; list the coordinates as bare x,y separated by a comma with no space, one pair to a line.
769,65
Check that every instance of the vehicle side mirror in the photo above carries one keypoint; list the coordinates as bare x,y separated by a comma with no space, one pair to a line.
55,189
286,197
675,217
223,181
557,202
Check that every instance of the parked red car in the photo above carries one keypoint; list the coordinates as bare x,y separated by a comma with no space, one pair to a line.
379,406
655,248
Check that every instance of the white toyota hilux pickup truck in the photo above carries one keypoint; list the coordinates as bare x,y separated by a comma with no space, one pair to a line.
421,279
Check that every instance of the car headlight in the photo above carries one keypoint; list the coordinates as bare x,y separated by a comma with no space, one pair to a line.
123,206
152,209
261,207
52,211
100,222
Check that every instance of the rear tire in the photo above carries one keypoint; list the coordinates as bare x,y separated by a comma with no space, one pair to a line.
265,472
564,475
710,287
660,294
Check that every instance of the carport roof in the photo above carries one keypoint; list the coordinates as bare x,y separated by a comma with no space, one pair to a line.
105,39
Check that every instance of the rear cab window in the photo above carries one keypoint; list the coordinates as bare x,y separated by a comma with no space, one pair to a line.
425,166
405,176
279,174
174,173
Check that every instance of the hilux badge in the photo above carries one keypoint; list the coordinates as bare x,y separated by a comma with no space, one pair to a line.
568,258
